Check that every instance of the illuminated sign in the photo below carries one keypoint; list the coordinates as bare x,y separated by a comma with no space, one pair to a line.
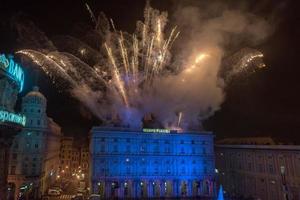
13,69
12,117
155,130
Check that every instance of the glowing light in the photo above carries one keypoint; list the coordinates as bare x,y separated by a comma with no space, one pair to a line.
201,57
13,69
179,118
82,51
6,116
150,130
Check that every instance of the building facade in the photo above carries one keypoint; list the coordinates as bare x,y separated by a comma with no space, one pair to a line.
151,163
34,155
11,83
261,170
84,160
69,157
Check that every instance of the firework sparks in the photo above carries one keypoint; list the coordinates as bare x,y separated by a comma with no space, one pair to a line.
132,68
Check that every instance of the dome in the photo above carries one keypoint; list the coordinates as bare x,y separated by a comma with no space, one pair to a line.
35,93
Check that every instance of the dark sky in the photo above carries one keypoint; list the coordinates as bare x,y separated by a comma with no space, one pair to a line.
266,103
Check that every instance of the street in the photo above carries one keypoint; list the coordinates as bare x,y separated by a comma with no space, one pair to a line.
68,192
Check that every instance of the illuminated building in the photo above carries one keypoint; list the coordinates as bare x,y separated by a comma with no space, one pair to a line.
69,156
258,168
34,155
150,163
84,159
11,83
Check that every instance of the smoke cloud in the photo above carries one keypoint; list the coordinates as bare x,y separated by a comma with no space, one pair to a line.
180,87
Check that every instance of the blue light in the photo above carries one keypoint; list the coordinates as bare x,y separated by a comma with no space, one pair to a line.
13,69
220,195
6,116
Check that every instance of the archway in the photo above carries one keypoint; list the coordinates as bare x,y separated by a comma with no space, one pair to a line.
183,188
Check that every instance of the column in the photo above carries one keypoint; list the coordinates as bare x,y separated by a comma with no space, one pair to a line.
189,188
136,188
150,190
175,188
162,188
107,186
121,189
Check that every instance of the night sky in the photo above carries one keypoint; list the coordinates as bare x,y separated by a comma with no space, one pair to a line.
263,104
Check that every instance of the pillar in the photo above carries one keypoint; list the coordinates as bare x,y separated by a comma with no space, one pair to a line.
150,190
121,189
175,188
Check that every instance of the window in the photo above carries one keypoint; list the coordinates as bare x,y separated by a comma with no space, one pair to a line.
39,110
102,148
38,122
156,149
181,141
143,161
193,142
15,156
167,142
204,151
127,170
115,148
128,140
183,170
249,166
167,150
128,149
193,150
261,168
102,139
271,168
182,150
194,171
115,140
36,146
143,149
13,170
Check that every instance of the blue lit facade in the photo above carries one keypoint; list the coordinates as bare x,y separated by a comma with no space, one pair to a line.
141,164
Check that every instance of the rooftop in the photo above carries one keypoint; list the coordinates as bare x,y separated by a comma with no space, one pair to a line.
146,130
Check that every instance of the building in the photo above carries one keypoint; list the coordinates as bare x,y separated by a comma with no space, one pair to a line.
34,155
84,159
69,156
149,163
11,83
258,168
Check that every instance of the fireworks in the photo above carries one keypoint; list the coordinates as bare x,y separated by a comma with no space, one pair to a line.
130,74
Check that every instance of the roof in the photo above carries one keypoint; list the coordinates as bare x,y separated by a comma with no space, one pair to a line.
248,141
35,93
147,130
260,147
